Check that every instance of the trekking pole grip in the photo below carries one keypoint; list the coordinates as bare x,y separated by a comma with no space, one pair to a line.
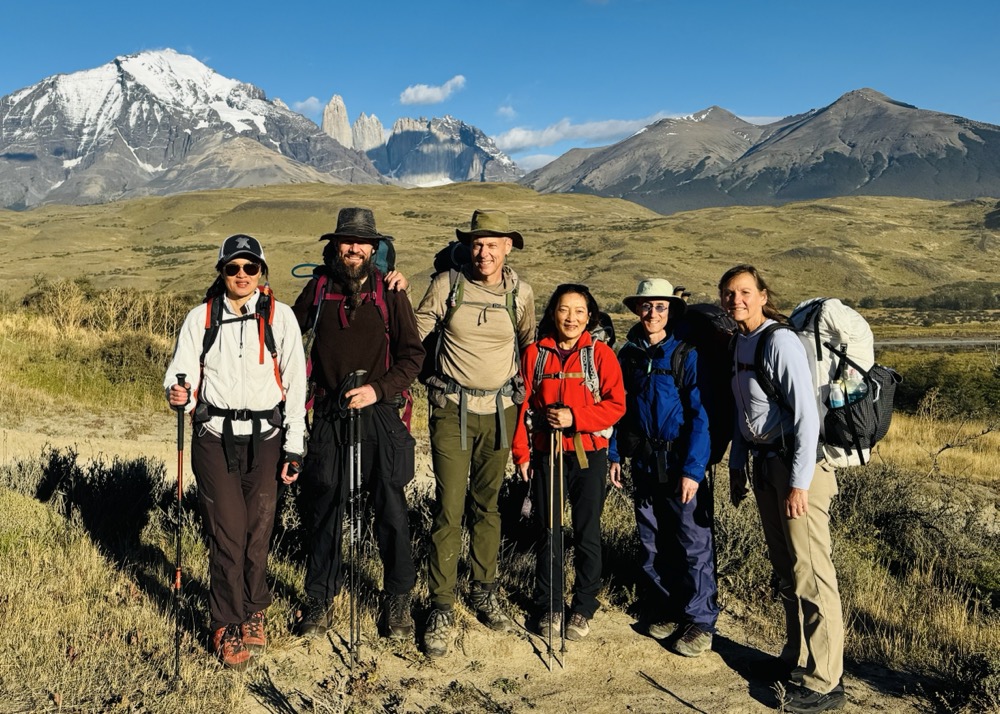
181,380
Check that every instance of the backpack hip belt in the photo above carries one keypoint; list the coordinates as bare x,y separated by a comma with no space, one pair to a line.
229,438
446,385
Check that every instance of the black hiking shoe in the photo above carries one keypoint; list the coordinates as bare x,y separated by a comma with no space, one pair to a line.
487,607
437,636
314,617
396,619
802,700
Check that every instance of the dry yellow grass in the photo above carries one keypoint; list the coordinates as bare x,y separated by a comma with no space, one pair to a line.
919,442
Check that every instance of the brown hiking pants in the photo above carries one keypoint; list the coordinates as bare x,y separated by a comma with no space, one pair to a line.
801,554
237,508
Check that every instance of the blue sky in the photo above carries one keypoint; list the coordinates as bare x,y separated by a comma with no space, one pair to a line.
540,76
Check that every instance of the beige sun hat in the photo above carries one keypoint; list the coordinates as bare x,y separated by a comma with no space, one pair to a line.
652,289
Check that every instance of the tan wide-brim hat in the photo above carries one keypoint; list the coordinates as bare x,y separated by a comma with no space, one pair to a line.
653,289
490,223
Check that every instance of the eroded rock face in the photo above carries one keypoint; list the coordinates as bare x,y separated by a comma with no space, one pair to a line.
119,129
335,122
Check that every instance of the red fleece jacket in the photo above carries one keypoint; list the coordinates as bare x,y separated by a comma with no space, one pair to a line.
588,416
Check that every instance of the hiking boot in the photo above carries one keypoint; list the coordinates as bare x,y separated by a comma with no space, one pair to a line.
315,617
488,609
801,700
577,626
229,648
253,632
438,632
396,619
550,625
693,641
662,629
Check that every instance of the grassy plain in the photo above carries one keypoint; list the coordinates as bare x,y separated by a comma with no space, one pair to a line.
85,547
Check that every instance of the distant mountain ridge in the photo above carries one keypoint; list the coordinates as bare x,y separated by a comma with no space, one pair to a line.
862,144
422,152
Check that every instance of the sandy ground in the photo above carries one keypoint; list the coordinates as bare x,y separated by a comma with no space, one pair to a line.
616,669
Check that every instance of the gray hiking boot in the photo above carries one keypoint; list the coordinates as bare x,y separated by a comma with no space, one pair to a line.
577,627
488,609
437,636
661,629
396,619
550,625
693,641
314,617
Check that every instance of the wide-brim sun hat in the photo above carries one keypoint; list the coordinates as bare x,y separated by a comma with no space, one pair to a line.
490,224
652,289
356,223
240,245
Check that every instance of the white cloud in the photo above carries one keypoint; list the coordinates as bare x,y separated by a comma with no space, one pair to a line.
309,107
534,161
426,94
507,111
520,138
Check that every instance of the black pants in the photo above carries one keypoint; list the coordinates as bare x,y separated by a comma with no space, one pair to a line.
586,488
387,454
237,508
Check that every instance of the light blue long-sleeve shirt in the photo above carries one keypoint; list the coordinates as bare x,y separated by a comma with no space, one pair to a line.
762,421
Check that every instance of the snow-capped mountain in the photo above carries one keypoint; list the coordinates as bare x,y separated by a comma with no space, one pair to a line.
121,129
422,152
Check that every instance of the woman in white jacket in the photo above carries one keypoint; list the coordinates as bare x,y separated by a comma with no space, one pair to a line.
242,354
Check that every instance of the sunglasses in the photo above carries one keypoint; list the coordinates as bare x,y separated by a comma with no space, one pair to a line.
233,269
649,307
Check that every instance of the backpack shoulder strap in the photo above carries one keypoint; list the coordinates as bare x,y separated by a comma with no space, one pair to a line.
590,375
265,332
456,291
678,362
763,378
213,318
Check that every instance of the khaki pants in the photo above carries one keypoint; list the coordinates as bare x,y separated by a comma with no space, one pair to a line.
800,553
480,469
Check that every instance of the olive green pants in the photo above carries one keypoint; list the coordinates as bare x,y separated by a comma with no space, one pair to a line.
478,470
801,554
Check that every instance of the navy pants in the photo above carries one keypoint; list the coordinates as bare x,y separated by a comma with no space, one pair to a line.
677,548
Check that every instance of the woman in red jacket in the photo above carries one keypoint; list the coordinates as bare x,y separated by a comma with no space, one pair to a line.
574,395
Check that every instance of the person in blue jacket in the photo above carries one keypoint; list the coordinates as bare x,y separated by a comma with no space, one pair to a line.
665,434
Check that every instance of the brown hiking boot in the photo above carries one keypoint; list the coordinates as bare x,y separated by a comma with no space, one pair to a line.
487,607
693,642
229,647
577,627
314,617
396,618
253,631
550,625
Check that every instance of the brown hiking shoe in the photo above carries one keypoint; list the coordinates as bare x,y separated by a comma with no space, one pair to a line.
396,618
229,647
577,627
438,632
550,625
488,609
314,617
253,632
693,642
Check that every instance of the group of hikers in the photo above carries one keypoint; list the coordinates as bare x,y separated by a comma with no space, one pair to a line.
555,397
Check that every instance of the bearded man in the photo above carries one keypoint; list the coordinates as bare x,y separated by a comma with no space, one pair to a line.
358,325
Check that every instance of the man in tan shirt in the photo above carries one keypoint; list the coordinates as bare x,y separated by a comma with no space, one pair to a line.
485,317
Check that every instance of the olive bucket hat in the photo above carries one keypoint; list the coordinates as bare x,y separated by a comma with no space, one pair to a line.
490,223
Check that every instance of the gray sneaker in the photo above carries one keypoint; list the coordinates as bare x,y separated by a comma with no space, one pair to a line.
662,629
438,633
488,609
550,625
577,627
693,641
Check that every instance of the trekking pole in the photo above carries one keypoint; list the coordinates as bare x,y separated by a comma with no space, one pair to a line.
562,553
550,554
181,380
354,473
